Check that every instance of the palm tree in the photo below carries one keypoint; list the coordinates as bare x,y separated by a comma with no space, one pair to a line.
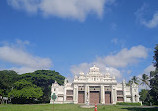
129,83
145,80
135,80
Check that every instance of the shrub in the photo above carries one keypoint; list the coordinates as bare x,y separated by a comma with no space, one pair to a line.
129,104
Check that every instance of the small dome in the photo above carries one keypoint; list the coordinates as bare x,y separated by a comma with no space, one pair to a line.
94,69
81,73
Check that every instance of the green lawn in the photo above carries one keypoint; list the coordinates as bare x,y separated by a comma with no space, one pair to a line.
70,107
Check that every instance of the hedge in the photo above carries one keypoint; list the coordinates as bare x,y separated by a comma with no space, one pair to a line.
129,104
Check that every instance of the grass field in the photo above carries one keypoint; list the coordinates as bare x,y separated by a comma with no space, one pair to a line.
70,107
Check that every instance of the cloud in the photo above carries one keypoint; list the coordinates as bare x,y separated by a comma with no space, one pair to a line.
122,59
148,69
23,69
125,57
140,14
26,61
153,22
75,9
84,67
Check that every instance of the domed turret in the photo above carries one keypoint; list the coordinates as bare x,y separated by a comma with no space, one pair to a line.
81,74
94,71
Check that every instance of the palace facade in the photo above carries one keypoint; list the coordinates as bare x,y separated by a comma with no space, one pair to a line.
94,87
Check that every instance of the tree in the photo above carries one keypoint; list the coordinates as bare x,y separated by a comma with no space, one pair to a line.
154,78
156,56
129,83
44,79
145,80
144,96
25,92
7,79
40,78
135,80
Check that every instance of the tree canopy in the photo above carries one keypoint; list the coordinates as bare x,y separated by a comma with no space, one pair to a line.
7,79
144,96
24,91
44,79
154,78
29,86
145,80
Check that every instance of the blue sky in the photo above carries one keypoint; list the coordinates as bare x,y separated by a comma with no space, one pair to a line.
70,36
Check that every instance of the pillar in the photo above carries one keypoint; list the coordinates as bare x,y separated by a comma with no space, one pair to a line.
87,94
114,94
65,93
75,94
124,90
102,94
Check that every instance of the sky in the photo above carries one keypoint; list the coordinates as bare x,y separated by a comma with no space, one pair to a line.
70,36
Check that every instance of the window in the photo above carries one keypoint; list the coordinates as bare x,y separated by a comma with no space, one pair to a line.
119,92
69,98
69,92
119,98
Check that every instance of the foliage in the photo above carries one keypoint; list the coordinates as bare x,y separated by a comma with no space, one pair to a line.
154,78
128,104
144,96
135,80
156,56
129,83
44,79
38,81
145,80
7,79
25,91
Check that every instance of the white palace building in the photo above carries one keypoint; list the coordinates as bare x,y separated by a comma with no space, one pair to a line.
94,88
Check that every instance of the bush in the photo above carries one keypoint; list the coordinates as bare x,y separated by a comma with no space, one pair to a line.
129,104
